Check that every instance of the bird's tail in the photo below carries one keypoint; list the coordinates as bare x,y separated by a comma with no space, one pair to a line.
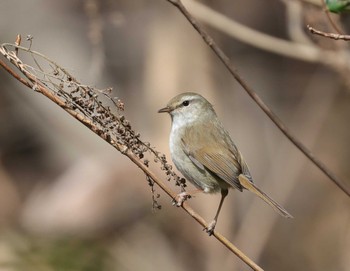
253,188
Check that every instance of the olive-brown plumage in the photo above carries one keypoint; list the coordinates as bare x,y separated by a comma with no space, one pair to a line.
204,152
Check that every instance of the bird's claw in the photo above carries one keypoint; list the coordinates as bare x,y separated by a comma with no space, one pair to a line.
210,228
180,199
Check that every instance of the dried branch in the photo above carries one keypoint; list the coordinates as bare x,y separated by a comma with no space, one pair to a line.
333,36
226,61
83,103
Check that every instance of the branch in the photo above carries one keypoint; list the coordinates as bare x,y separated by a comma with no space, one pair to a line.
247,35
328,35
82,103
226,61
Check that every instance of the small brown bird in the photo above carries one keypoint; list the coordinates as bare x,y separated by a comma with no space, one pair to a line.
205,154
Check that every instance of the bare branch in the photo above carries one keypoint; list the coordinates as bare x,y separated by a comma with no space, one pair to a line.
82,103
226,61
333,36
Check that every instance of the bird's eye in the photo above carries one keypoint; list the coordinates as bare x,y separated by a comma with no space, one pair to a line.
185,103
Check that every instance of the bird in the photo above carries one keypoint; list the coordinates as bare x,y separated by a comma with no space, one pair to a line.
203,151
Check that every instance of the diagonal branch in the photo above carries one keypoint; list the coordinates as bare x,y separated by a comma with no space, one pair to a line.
84,108
226,61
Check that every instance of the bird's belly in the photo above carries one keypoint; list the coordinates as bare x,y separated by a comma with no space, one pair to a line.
201,178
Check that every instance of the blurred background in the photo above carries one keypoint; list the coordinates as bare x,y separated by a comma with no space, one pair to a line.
68,201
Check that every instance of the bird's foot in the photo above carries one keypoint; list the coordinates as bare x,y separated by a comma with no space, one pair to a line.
210,228
180,199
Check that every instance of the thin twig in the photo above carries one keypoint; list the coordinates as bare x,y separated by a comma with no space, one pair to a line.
226,61
333,36
333,24
310,129
15,75
65,102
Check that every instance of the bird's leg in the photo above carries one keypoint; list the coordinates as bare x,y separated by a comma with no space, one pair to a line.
211,225
183,196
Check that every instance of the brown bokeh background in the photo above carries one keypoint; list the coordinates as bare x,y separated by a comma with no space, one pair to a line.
68,201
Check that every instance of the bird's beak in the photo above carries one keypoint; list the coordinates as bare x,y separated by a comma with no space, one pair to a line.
166,109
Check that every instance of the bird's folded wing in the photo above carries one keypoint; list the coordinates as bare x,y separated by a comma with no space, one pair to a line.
219,164
219,155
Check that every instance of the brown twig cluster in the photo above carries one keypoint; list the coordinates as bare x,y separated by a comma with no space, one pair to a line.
83,100
84,103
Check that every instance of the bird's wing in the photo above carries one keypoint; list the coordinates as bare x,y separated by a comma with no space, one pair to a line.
218,156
